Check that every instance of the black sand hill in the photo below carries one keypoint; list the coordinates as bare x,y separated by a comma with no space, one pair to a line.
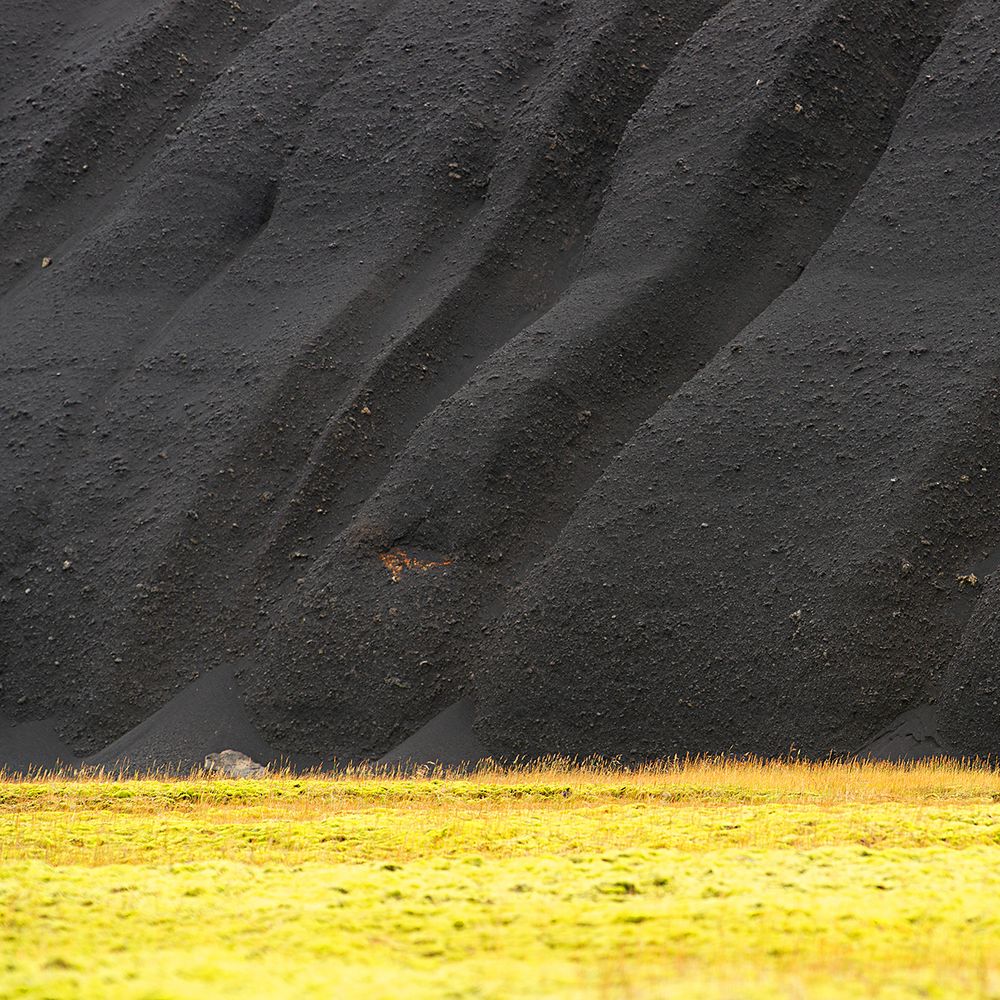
441,378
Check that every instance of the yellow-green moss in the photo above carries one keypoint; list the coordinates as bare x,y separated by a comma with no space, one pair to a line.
709,880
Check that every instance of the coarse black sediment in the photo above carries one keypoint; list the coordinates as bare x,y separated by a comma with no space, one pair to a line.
620,375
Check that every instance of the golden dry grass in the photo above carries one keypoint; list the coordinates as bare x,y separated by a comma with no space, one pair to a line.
706,878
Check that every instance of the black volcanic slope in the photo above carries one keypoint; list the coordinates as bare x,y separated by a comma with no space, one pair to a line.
623,374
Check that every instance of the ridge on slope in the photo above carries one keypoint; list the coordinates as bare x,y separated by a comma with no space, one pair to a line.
721,191
359,301
780,556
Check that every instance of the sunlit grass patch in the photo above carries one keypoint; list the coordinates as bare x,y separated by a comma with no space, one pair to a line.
705,878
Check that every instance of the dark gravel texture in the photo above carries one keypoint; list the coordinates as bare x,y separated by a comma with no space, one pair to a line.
627,370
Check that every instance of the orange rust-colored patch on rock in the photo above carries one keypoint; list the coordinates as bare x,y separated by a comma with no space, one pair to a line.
398,562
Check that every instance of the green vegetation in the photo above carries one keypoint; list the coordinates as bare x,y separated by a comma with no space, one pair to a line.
701,879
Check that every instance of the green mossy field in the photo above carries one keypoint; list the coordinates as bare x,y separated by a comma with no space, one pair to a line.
704,879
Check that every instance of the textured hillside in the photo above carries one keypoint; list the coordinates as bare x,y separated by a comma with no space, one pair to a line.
624,372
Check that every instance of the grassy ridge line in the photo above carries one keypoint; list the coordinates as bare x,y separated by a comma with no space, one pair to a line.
498,814
689,780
